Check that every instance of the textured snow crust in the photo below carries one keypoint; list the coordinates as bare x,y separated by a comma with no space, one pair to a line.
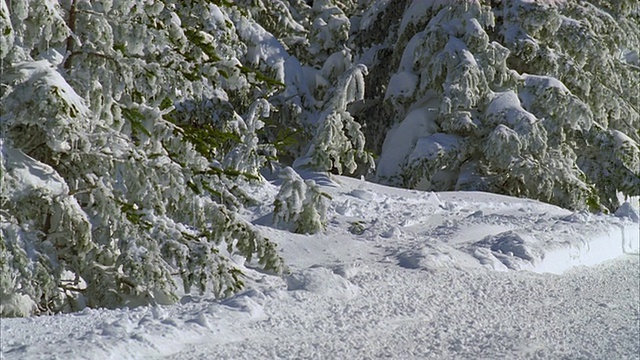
398,274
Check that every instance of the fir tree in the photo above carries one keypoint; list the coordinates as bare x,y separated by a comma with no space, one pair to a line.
122,187
532,99
300,205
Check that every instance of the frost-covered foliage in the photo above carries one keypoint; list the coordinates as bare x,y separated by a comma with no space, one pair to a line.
338,142
248,155
284,19
113,186
156,117
36,201
133,131
314,124
300,205
533,99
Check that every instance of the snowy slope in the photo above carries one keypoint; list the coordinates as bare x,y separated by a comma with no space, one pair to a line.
397,273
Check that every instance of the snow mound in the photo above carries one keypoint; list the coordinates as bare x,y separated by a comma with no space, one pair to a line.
428,231
627,210
320,280
571,241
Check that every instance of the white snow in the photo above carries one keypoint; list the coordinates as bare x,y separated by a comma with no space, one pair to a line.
43,74
544,82
369,16
265,47
416,11
429,148
29,175
506,105
398,274
403,83
401,140
409,53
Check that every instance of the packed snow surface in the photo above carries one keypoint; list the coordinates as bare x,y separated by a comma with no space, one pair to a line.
397,274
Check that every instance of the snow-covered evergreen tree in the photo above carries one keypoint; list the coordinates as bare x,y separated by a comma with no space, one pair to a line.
113,185
338,142
532,99
313,125
300,205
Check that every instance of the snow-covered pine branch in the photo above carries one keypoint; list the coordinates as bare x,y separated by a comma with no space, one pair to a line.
300,205
248,155
338,142
102,150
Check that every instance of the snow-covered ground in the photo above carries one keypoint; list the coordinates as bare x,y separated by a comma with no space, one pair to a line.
397,274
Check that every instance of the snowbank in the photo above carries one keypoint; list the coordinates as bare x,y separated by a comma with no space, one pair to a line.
471,229
397,274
